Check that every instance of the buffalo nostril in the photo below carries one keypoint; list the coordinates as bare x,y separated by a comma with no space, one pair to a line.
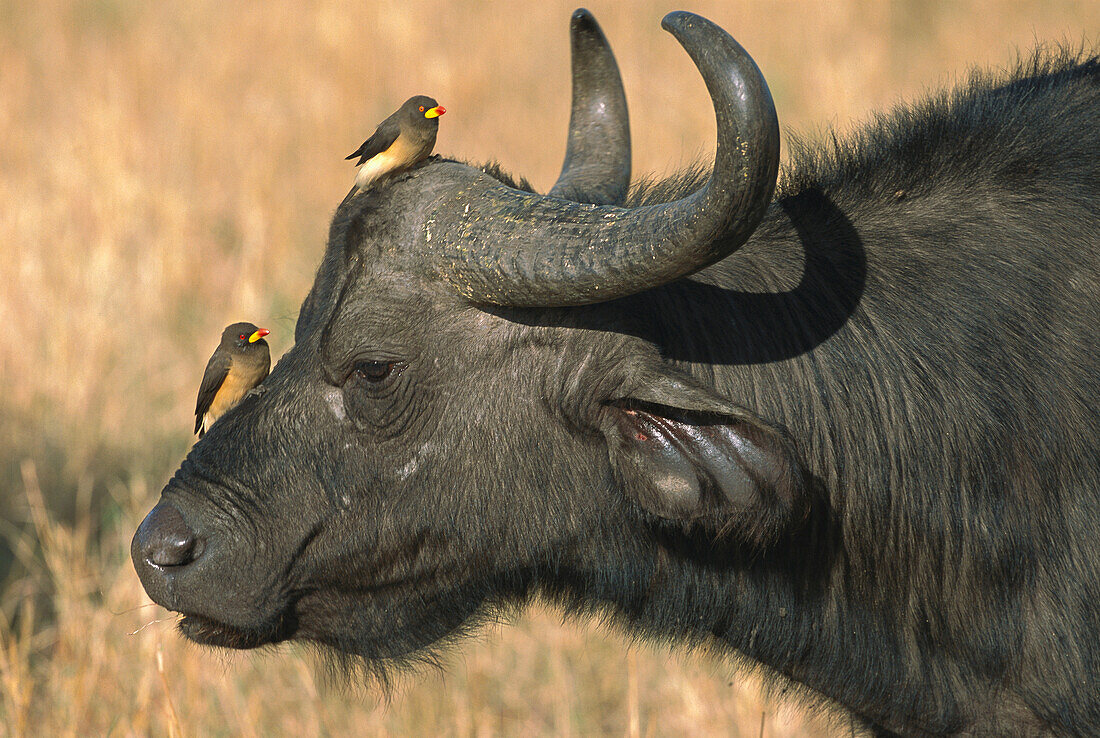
165,539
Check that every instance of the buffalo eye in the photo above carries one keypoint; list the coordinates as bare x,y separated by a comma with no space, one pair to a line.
374,371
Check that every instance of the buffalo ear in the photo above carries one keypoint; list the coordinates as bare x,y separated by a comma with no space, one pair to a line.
688,456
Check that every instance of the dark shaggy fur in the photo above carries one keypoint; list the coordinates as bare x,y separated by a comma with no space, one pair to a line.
952,406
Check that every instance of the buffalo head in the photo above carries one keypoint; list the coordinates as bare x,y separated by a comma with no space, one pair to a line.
467,416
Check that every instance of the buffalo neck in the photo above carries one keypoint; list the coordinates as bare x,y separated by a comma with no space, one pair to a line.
790,327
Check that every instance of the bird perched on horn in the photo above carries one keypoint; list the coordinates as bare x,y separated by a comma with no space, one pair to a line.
240,362
400,141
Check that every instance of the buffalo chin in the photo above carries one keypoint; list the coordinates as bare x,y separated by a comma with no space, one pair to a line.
210,632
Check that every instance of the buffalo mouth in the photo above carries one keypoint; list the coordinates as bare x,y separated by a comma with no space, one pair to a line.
210,632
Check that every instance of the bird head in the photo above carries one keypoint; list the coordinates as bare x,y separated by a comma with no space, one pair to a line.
244,336
421,107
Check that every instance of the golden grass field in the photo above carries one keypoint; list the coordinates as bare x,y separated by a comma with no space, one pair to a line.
168,168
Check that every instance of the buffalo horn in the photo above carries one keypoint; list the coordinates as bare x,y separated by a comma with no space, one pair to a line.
597,157
502,246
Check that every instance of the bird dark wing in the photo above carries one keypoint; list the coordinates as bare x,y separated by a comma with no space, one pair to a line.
217,369
382,139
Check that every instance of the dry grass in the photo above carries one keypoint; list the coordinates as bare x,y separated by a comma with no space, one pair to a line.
167,168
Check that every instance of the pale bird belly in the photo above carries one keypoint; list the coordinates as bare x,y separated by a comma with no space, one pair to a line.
235,386
397,156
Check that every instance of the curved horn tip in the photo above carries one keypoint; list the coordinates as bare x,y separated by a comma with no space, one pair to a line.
584,29
581,17
682,24
588,42
677,19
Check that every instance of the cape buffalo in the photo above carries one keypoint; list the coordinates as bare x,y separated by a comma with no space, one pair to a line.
863,450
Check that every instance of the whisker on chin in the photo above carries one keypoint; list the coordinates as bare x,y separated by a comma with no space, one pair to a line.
132,609
158,620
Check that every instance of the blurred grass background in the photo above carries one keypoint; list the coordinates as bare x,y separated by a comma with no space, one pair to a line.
168,168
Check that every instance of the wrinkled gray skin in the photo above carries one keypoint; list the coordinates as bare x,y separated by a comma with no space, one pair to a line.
862,451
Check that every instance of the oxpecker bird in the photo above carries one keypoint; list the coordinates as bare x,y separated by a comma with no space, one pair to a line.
400,141
240,362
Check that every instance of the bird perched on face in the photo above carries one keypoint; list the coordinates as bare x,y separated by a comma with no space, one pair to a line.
240,362
400,141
